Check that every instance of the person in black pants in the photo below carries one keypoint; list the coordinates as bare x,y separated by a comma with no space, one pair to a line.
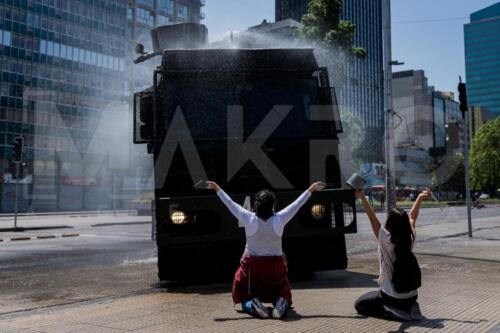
397,236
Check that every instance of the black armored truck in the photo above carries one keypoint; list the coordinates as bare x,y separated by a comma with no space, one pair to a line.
248,119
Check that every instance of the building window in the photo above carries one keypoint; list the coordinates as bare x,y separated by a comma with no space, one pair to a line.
182,11
130,13
5,38
145,2
166,5
162,20
144,16
439,122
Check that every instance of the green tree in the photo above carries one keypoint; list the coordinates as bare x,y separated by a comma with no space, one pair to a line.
333,37
485,157
322,25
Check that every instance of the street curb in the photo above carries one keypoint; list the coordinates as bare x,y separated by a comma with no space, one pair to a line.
23,229
120,223
45,236
77,213
67,234
20,238
48,236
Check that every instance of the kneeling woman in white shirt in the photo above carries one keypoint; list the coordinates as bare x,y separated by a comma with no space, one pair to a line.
262,275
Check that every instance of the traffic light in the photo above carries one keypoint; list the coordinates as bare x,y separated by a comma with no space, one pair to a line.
14,172
462,97
17,149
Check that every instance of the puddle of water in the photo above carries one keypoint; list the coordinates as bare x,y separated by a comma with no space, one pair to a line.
152,260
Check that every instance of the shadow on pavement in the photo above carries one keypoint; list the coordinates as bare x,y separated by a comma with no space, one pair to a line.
290,316
437,323
338,279
294,316
321,280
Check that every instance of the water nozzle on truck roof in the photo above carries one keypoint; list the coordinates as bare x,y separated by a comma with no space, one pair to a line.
175,36
179,36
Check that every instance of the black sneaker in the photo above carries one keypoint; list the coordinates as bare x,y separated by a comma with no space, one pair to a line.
260,310
398,313
415,312
280,308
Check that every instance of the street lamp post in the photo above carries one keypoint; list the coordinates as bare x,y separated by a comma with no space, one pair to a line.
388,112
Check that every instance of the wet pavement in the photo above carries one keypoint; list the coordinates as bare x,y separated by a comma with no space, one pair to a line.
104,280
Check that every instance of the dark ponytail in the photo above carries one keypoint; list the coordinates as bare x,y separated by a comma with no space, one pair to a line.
406,274
398,224
264,204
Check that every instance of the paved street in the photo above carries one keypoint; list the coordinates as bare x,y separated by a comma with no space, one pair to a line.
104,280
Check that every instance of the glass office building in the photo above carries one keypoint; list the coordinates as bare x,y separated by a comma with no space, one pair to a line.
65,87
482,58
293,9
362,94
62,68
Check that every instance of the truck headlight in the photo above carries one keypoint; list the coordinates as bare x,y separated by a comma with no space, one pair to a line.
178,217
318,211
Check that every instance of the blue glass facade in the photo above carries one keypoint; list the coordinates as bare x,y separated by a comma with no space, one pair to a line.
363,93
62,64
65,87
482,58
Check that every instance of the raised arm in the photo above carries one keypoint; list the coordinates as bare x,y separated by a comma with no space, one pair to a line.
238,211
374,221
416,208
287,213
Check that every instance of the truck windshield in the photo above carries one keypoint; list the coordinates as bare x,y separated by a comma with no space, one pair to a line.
205,101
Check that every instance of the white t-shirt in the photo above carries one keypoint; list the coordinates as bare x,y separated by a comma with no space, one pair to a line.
386,257
264,237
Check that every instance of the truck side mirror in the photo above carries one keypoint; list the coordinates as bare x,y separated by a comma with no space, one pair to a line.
139,48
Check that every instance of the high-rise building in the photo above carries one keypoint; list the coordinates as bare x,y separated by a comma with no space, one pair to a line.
65,88
362,93
62,69
293,9
428,127
482,58
478,116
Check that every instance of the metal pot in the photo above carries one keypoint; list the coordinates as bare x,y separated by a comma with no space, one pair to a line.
356,182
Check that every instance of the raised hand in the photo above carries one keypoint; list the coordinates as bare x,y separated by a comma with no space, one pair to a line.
213,186
317,186
360,194
425,194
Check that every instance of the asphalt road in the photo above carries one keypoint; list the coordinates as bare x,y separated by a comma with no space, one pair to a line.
454,218
114,255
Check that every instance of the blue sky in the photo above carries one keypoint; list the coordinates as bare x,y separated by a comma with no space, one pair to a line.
435,46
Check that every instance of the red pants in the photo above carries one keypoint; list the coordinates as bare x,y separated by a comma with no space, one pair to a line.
261,277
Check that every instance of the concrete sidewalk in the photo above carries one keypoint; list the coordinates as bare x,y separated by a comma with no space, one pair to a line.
461,288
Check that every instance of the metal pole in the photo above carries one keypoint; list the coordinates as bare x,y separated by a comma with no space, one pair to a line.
388,112
113,191
17,194
466,169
